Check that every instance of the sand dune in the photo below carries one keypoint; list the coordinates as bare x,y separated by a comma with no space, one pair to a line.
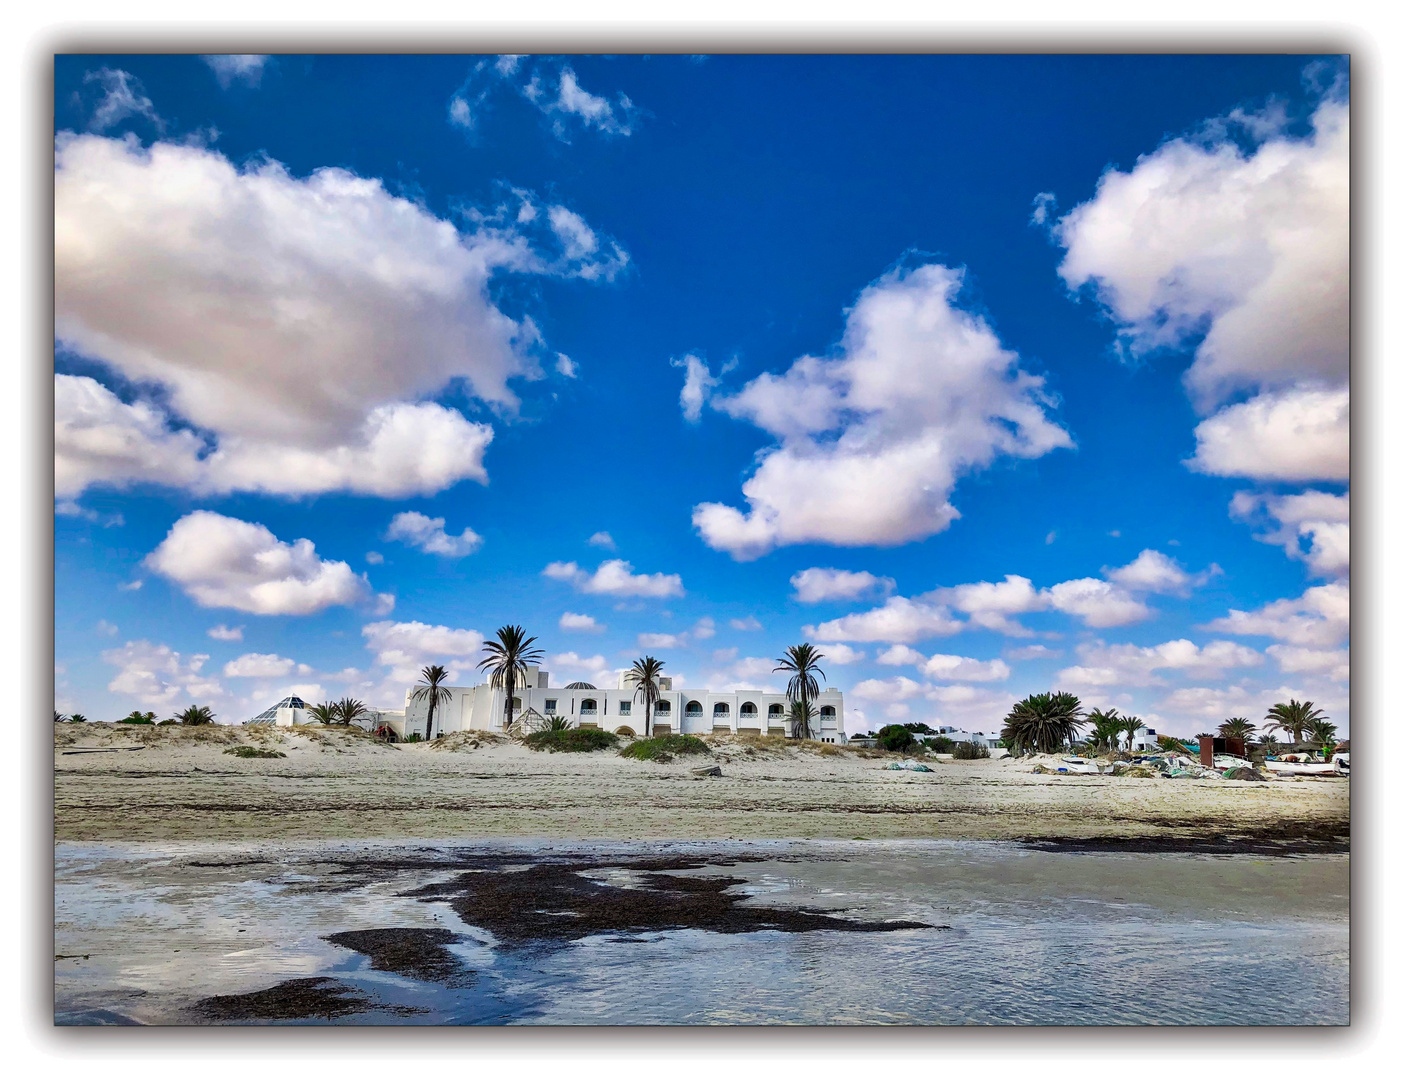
338,784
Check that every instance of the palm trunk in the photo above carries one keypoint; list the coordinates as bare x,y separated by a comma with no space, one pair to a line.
429,725
511,689
648,715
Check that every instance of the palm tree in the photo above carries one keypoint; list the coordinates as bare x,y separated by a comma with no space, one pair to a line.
325,713
801,714
508,657
348,710
1130,725
59,718
644,675
434,692
1322,732
1042,722
803,662
1296,716
557,723
1269,746
1106,728
1237,727
77,718
195,714
136,716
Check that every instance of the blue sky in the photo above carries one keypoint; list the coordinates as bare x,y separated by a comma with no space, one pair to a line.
990,374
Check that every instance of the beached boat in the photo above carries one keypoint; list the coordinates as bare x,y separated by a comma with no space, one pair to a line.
1335,767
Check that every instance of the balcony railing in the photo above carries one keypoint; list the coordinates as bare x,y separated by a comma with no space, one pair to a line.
588,712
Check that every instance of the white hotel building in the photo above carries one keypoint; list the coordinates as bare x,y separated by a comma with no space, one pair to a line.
620,710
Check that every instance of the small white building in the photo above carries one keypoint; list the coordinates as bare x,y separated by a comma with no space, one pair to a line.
979,738
620,709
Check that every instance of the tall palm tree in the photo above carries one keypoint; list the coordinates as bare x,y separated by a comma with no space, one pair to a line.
508,657
1042,722
1295,716
1130,725
348,710
195,714
802,661
644,675
1237,727
433,692
1107,727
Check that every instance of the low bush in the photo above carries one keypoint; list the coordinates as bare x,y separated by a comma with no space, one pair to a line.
572,740
968,751
136,720
940,744
253,751
663,747
895,737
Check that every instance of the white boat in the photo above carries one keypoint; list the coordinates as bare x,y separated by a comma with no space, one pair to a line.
1335,767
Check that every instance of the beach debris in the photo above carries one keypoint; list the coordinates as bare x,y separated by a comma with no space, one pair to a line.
1243,772
707,770
908,766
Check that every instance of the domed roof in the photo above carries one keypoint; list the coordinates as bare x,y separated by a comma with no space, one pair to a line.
581,686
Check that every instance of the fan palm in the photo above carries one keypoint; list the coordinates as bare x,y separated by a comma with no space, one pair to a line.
348,710
1042,722
1295,716
77,718
1237,727
557,723
325,713
195,714
508,657
644,675
1106,728
1321,732
802,661
433,692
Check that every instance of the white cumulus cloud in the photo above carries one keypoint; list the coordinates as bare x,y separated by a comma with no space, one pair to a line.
581,623
615,577
226,633
221,561
1301,433
820,583
1332,663
898,620
1313,526
297,323
157,676
428,535
408,647
918,392
698,384
259,666
1319,618
1105,665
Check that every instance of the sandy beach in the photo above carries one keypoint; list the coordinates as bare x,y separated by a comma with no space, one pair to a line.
179,784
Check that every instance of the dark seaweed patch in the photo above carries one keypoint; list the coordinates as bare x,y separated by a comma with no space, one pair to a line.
561,901
295,999
418,954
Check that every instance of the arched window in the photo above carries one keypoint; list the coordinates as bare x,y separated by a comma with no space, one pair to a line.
748,708
776,711
721,708
588,707
663,708
827,710
694,708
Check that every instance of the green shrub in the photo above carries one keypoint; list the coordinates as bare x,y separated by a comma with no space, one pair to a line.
415,737
969,751
572,740
895,737
253,751
663,747
940,744
135,720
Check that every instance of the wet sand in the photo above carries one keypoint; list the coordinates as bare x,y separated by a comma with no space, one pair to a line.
125,783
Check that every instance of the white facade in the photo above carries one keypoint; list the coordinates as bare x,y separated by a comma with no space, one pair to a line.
979,738
621,710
